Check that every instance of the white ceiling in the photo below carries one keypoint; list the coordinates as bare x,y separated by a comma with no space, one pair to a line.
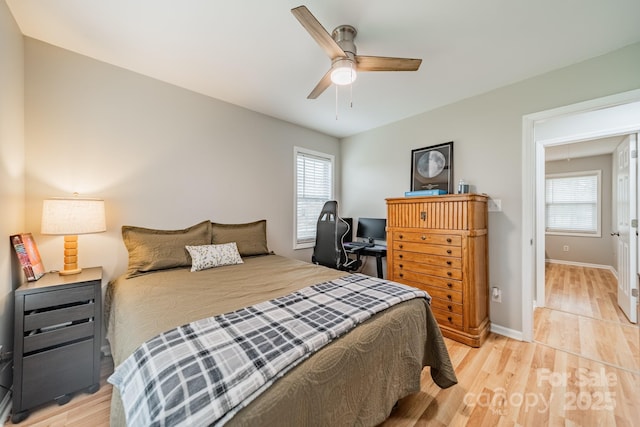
594,147
255,54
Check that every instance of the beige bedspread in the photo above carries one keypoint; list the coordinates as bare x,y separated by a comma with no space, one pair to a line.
355,380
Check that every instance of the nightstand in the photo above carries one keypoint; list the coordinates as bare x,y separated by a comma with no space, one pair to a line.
56,339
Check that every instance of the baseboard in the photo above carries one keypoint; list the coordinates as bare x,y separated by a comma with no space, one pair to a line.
5,408
509,333
582,264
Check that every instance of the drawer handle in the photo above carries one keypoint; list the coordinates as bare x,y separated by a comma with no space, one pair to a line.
450,307
450,319
401,275
400,246
449,240
449,273
450,285
400,236
448,296
423,237
401,266
448,251
400,256
448,262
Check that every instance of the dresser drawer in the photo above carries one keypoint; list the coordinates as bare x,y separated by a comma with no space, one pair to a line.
435,239
423,248
449,307
448,295
430,281
447,319
426,273
444,294
443,261
402,267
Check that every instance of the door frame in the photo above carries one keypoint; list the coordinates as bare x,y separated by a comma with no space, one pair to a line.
533,168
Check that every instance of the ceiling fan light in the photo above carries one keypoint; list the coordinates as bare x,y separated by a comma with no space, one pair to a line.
343,75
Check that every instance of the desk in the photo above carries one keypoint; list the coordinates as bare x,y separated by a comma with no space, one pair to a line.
378,251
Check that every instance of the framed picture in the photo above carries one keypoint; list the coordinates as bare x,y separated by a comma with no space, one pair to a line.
28,255
432,168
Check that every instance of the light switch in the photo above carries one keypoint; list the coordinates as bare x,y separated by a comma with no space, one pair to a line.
494,205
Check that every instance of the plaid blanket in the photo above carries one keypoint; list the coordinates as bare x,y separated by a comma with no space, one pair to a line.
204,372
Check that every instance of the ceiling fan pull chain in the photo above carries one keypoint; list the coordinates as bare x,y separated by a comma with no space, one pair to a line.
336,101
351,88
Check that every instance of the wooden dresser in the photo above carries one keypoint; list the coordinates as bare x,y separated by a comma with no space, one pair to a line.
439,244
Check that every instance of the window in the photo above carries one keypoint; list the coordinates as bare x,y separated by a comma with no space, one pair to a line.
573,203
313,187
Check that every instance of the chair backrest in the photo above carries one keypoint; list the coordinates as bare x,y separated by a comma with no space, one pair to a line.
330,231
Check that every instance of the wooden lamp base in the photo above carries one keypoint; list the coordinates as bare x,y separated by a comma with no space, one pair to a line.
70,256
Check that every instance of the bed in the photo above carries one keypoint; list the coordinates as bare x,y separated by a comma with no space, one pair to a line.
354,380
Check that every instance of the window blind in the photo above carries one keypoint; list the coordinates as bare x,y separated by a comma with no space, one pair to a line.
314,187
572,203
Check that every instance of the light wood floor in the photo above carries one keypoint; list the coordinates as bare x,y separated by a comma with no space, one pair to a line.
505,382
590,292
582,317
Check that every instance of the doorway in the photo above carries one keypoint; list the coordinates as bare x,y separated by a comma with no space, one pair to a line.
603,117
580,314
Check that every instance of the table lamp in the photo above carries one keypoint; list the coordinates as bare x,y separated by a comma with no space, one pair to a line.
69,217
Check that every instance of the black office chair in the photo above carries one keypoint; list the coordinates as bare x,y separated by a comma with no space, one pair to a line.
330,231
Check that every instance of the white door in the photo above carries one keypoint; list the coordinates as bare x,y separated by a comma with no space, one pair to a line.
626,192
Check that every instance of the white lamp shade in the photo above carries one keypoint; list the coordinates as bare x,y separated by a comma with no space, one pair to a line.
343,72
73,216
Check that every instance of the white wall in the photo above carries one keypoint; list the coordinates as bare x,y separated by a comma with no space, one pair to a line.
11,171
159,155
487,135
589,250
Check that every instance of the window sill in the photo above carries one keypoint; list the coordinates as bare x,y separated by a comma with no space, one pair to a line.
572,234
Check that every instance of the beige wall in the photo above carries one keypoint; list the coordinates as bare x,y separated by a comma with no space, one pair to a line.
159,155
11,171
588,250
487,135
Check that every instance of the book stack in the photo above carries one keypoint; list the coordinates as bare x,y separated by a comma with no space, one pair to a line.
424,193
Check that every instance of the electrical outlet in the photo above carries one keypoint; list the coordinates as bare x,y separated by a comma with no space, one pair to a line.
565,248
496,294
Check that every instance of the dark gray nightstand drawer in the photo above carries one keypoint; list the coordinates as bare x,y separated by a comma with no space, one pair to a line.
58,297
44,319
58,336
73,367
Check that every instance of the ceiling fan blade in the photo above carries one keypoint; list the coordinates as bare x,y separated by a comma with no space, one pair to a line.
318,32
383,63
322,85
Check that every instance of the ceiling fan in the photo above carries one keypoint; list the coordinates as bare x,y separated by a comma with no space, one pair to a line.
345,63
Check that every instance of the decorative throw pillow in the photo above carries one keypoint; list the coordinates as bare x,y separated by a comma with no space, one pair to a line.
250,237
151,250
209,256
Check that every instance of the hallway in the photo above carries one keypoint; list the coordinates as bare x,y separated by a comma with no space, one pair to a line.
582,317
